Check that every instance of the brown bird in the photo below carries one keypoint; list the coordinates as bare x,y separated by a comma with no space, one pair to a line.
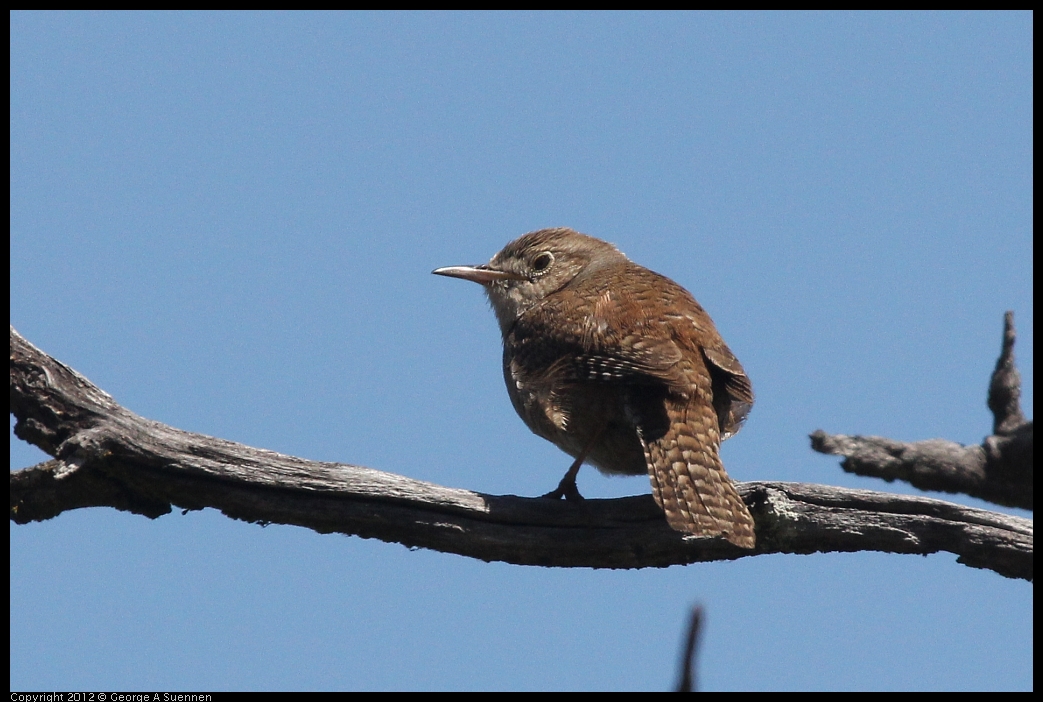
620,367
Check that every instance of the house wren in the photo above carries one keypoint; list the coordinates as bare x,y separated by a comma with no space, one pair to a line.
620,367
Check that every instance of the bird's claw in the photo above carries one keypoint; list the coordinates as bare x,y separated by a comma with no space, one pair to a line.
567,489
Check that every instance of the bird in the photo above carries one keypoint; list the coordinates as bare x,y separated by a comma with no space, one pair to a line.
620,367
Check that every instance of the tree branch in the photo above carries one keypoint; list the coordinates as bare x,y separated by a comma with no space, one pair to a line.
105,455
687,683
999,470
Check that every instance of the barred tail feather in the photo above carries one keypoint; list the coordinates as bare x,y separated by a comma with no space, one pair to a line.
689,481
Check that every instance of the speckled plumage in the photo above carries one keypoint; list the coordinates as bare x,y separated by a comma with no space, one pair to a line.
620,366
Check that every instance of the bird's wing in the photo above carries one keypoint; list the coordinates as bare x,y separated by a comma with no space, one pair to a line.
732,391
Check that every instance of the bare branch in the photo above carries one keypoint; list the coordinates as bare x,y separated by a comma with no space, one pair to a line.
999,470
106,455
688,681
1005,387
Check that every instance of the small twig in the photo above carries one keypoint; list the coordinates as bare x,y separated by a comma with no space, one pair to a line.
1005,387
688,681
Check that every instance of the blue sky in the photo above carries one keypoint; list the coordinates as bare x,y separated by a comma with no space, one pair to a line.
228,222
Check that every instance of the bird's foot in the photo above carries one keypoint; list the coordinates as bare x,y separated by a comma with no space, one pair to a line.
567,489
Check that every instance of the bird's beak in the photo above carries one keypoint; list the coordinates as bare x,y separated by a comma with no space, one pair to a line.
482,274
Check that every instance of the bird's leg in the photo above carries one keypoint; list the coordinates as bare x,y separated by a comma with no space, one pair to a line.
567,487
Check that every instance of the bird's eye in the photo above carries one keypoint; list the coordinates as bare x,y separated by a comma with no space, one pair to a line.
542,262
